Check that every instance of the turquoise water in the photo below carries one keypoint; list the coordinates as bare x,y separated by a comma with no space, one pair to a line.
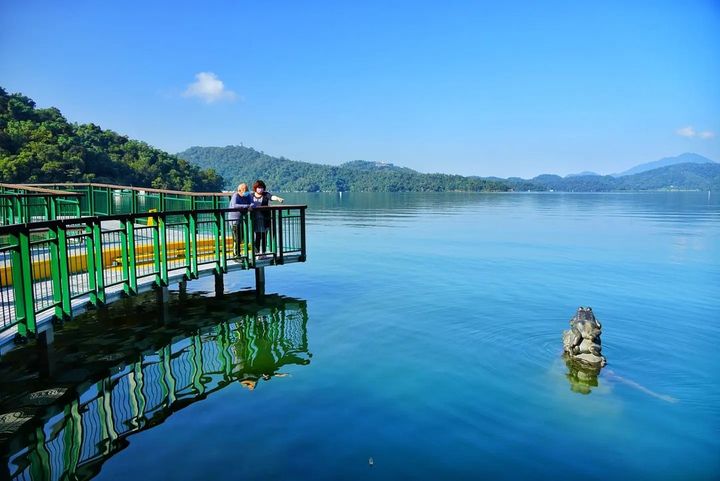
433,347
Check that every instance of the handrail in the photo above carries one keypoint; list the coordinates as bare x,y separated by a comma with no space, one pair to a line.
46,265
33,202
34,188
138,189
56,193
45,225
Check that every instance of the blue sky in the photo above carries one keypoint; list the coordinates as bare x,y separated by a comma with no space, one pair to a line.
474,88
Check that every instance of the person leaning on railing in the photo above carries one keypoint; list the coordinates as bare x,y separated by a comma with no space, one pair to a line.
239,200
261,218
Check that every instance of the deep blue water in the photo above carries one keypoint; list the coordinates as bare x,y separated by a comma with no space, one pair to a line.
433,332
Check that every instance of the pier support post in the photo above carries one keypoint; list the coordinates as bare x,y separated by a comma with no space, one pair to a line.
219,284
182,290
46,357
162,297
260,281
162,293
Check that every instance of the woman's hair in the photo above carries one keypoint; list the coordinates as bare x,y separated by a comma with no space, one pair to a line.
259,183
241,185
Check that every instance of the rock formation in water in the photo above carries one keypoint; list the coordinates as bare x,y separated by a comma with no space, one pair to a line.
581,343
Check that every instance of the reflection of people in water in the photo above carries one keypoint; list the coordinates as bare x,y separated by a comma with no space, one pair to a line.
248,383
263,347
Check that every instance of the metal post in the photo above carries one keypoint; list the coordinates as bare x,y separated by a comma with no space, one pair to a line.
303,252
223,242
246,233
162,297
66,304
182,290
53,208
91,200
192,230
216,236
219,284
251,239
130,259
15,211
187,250
109,200
133,201
46,352
260,281
99,268
272,238
163,248
57,290
27,284
163,294
18,284
156,251
124,256
90,252
280,251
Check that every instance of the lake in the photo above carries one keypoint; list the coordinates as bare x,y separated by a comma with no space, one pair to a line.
422,340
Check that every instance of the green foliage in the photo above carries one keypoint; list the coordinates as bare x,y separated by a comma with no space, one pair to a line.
40,145
242,164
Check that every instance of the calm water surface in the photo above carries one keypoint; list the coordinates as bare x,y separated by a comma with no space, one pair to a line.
430,341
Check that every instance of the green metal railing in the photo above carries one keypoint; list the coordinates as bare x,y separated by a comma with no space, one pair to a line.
46,266
90,425
37,202
21,203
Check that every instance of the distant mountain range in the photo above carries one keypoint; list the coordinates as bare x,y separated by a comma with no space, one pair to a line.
687,176
686,158
586,172
243,164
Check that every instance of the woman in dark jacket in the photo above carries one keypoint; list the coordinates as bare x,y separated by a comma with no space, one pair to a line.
261,217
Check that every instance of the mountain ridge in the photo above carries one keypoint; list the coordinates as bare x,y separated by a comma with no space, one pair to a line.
239,163
685,158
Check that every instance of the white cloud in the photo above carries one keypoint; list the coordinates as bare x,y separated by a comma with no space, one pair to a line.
686,132
706,135
690,132
209,88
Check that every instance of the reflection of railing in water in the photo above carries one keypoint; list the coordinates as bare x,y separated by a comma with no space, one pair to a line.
94,422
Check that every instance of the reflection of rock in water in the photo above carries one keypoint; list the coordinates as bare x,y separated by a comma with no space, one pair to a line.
126,373
582,378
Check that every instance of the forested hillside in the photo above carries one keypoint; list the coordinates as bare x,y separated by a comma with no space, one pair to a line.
40,145
243,164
